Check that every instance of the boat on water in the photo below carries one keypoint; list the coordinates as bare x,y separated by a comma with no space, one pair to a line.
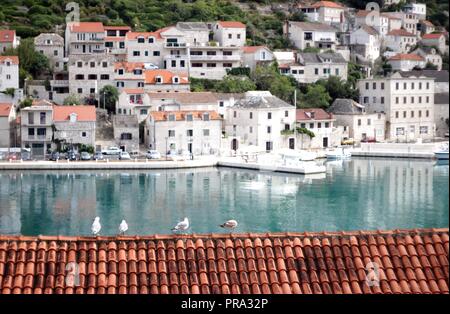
442,153
338,153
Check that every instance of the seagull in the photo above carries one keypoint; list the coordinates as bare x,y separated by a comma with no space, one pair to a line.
96,226
229,224
182,225
123,227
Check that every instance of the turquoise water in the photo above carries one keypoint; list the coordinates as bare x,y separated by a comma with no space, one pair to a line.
352,195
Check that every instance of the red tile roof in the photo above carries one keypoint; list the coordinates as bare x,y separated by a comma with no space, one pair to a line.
252,49
146,35
13,59
84,113
7,35
407,261
119,28
181,115
134,90
406,56
128,66
432,36
166,75
400,32
427,23
327,4
5,109
86,27
312,114
231,24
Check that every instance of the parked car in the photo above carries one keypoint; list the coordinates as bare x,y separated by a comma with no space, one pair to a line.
71,155
150,66
54,156
97,156
368,140
153,154
348,141
124,156
85,156
112,150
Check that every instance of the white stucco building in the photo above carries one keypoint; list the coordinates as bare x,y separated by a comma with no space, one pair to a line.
8,39
7,125
400,41
253,56
360,124
407,101
9,72
260,119
306,34
319,122
197,132
406,62
366,42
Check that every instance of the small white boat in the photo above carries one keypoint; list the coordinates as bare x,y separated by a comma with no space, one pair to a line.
338,153
442,153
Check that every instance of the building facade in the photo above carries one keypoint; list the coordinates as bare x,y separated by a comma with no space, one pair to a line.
319,122
305,34
9,72
407,101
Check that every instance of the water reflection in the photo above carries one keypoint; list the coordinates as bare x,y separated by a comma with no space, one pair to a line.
354,194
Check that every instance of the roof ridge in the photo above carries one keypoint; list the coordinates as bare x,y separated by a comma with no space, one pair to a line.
251,235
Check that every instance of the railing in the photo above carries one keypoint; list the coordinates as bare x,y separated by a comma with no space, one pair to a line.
175,45
59,83
176,57
216,58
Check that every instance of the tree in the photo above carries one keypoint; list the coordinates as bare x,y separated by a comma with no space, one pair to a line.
338,88
9,91
298,16
316,97
108,97
353,73
235,84
430,66
72,100
27,102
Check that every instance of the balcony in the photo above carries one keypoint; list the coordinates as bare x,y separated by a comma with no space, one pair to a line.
175,57
215,58
59,83
175,45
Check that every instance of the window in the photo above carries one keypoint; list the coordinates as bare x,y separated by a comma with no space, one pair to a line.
79,64
374,100
42,117
55,52
83,134
220,103
141,40
382,85
30,117
211,53
412,99
136,53
404,100
303,125
189,117
287,127
269,115
227,65
80,91
41,131
30,131
311,125
319,125
369,122
359,122
396,114
382,99
104,77
227,53
92,64
316,71
126,136
250,129
420,99
143,111
189,133
397,86
230,36
427,113
412,113
428,99
365,99
420,113
156,53
269,129
151,40
238,36
182,64
423,130
286,113
251,115
205,132
327,124
234,114
428,85
197,65
171,117
79,77
210,65
92,90
374,85
171,133
206,117
174,63
400,131
336,71
412,85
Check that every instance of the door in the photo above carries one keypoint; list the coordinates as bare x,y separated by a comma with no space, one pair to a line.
325,142
234,144
291,143
269,146
190,147
84,48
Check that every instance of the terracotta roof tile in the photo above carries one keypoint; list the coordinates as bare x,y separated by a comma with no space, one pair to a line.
231,24
12,59
7,35
432,36
409,261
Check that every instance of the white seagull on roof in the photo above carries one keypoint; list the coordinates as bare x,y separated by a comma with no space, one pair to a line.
123,227
229,224
96,226
182,225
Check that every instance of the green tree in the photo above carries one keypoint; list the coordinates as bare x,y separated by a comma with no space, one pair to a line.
337,88
72,100
108,97
316,96
27,102
298,16
235,84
